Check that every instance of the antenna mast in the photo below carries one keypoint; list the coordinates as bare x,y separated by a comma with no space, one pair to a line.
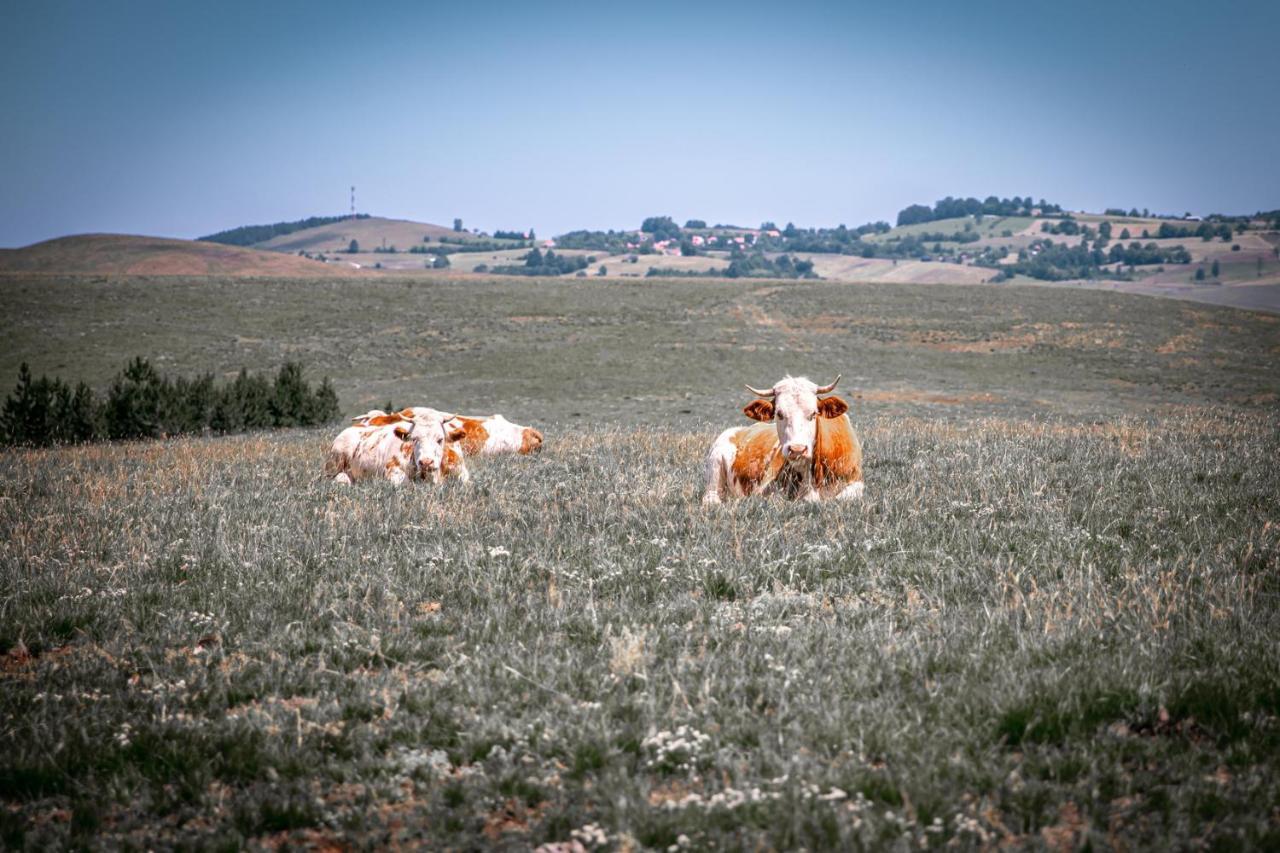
353,202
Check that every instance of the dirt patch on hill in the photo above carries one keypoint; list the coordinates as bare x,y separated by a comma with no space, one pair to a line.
1023,337
912,396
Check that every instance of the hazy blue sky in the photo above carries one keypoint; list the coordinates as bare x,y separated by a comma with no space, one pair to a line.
179,119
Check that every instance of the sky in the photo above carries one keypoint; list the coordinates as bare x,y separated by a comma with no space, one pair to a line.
182,119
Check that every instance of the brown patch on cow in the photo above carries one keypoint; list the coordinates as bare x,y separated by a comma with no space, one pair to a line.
832,407
407,414
530,440
392,464
452,463
383,420
837,453
474,434
757,459
406,449
759,410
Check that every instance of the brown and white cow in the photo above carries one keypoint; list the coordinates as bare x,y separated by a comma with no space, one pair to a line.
396,448
809,452
482,436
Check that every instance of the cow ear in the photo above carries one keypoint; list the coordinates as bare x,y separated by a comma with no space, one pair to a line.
759,410
457,434
404,429
832,407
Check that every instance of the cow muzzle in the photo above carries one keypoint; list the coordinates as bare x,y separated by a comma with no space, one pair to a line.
797,451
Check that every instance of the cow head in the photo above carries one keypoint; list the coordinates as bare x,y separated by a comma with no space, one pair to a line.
530,440
428,436
794,405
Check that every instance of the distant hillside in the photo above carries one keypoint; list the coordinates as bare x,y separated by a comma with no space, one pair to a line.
248,235
372,232
122,254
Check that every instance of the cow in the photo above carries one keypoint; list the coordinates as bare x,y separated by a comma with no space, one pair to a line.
397,448
495,434
809,452
483,436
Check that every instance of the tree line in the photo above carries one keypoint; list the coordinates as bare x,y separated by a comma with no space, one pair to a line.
953,208
1050,261
142,403
249,235
537,263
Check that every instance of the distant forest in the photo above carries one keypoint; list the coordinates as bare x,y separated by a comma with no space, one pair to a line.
249,235
952,208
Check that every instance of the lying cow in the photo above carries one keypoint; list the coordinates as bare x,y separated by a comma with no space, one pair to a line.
809,453
481,436
398,448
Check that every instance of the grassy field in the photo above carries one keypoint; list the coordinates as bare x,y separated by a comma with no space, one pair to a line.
370,233
658,351
991,226
1050,623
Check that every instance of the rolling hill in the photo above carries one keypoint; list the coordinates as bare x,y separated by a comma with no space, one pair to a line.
372,232
124,254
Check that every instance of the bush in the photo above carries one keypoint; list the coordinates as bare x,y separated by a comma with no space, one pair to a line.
140,403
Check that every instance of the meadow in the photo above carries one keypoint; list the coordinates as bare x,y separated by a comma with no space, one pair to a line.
1050,623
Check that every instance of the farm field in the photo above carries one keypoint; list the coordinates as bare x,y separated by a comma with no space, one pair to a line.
1050,623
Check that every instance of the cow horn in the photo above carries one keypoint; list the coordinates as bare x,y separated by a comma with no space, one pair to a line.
445,417
758,392
827,389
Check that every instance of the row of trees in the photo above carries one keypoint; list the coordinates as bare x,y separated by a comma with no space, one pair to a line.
744,265
537,263
1205,231
1050,261
141,403
953,208
249,235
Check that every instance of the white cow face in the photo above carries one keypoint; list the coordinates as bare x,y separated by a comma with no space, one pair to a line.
796,408
427,439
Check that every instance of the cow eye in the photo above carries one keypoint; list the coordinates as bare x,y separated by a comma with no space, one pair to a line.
813,417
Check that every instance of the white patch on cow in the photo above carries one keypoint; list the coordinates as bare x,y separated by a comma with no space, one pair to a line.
504,436
851,492
718,469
